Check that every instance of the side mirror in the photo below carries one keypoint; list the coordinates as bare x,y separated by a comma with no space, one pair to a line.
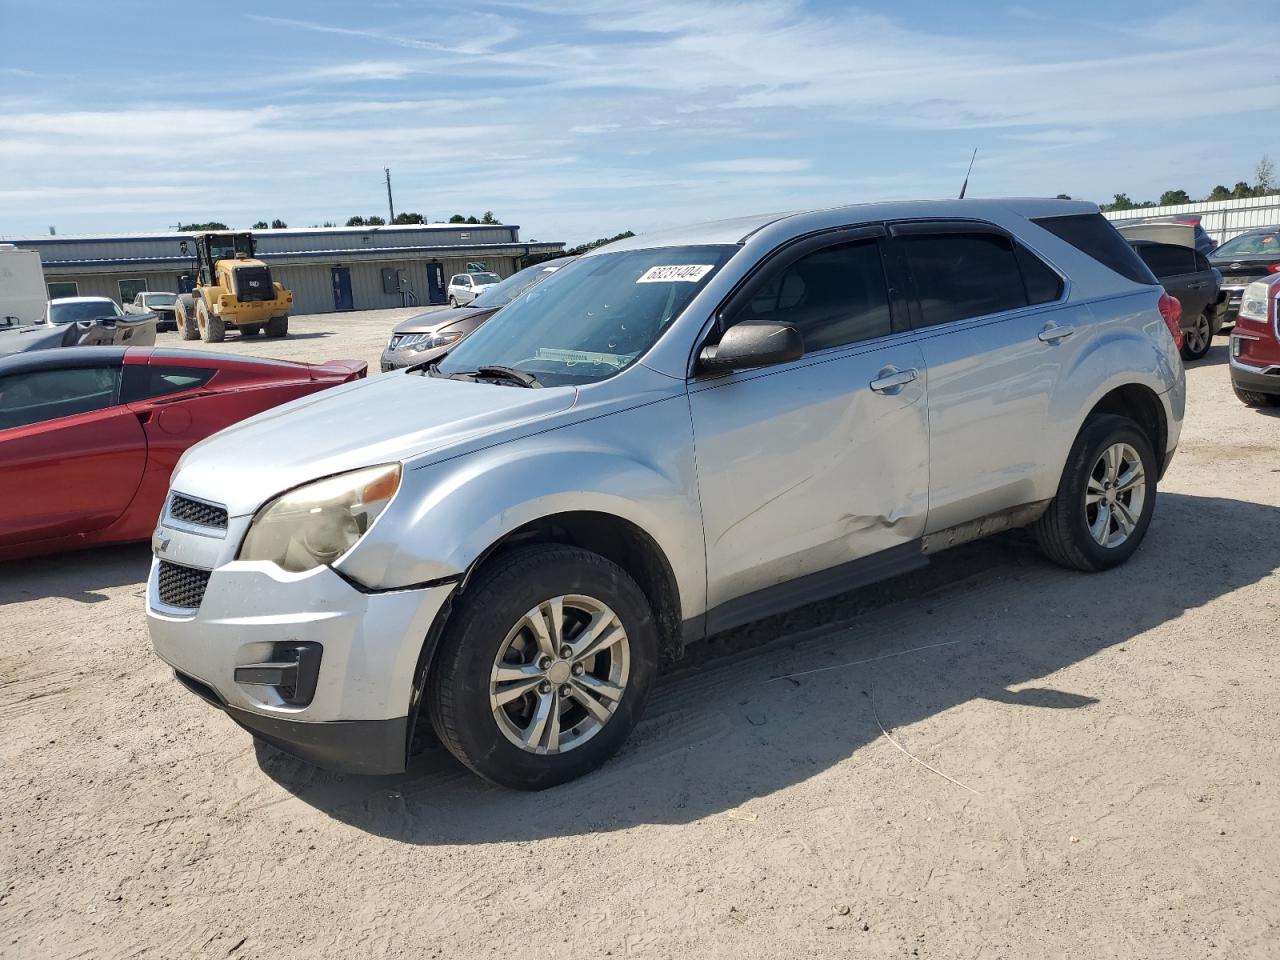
753,343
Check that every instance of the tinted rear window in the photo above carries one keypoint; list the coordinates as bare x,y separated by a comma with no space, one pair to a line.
1092,233
964,275
1166,260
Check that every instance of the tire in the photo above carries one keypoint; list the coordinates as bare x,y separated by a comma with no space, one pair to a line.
250,330
1251,398
213,329
185,317
490,621
1064,532
277,327
453,302
1197,341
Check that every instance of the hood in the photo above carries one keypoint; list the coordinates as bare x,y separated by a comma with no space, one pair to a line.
439,319
382,420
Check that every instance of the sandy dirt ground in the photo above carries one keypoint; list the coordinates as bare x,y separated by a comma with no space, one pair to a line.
994,758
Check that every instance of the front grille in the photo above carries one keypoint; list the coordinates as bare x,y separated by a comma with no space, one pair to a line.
181,586
195,511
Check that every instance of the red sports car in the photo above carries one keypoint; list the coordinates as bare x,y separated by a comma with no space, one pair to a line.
89,437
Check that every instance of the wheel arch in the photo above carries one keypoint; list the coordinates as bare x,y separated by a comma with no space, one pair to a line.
1142,405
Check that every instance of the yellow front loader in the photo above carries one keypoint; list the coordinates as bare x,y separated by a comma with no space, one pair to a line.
231,289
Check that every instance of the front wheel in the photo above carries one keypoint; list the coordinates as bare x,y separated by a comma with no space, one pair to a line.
213,329
1197,341
277,327
453,302
544,668
1105,498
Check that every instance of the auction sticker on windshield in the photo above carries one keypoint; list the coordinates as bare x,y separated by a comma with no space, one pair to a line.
571,357
677,273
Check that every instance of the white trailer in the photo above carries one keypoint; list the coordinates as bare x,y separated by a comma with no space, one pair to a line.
22,290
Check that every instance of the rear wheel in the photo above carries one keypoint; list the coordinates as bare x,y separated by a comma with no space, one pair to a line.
213,329
544,667
251,330
1251,398
453,302
1105,498
1197,341
277,326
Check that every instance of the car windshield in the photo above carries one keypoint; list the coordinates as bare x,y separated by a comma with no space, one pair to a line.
81,310
503,293
1251,245
478,278
592,318
160,299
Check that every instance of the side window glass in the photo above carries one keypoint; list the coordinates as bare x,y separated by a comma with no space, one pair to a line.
147,383
1043,285
833,296
1167,260
963,275
1201,263
43,395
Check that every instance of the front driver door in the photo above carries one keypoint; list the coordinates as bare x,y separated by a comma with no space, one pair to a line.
813,474
73,456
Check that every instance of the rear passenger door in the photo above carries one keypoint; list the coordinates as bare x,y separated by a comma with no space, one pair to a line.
1176,269
996,338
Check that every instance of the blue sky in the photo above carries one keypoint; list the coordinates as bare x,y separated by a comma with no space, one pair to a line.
582,118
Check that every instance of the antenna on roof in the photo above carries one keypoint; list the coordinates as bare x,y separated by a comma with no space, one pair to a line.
965,185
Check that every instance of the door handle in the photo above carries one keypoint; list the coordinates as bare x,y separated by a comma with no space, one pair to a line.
1053,333
891,379
1196,286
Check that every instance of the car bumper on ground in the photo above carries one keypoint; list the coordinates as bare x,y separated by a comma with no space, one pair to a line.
1264,379
259,635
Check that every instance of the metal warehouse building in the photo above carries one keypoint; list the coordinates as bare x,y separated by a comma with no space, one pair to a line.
326,268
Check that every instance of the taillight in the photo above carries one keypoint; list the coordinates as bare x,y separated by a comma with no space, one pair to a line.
1171,310
1273,268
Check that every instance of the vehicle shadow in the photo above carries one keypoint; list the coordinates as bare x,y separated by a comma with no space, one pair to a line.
1219,354
78,575
778,702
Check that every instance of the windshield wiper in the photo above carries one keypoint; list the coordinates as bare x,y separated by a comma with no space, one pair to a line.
497,372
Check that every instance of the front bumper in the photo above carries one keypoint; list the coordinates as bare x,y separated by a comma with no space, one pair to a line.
358,718
1256,379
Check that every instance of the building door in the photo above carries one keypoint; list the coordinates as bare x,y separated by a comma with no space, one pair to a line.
341,288
435,282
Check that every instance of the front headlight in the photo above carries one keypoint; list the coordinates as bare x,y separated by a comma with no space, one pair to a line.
318,523
417,342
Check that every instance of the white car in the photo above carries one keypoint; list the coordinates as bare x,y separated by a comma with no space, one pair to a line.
465,287
71,309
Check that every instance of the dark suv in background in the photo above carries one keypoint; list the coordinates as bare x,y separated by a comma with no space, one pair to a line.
1254,255
1187,276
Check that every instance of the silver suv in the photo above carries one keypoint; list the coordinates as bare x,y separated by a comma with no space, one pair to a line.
674,435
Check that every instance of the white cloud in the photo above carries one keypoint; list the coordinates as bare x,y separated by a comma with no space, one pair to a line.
754,165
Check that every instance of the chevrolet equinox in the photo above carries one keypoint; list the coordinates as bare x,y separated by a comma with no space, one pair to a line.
674,435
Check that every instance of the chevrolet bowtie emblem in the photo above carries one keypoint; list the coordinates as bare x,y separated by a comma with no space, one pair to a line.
160,542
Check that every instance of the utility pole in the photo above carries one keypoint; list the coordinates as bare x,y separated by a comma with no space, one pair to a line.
390,203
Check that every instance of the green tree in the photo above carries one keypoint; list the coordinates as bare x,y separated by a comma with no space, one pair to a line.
278,224
489,217
260,225
1171,197
355,222
1219,193
457,218
1241,190
1121,201
329,223
409,218
1264,175
472,219
202,227
375,222
1063,196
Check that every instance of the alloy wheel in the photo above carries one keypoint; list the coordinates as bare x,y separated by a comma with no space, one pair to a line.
1199,335
560,674
1114,495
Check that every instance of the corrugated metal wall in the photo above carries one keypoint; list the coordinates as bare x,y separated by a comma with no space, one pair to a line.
1223,219
107,284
